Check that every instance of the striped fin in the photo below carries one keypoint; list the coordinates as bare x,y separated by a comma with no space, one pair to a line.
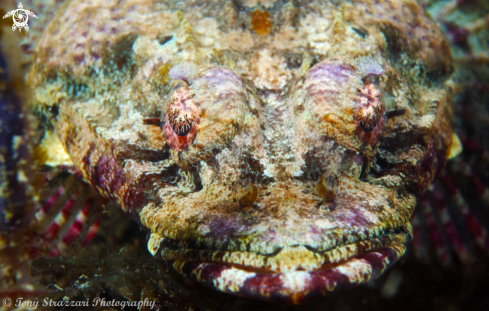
453,217
435,232
70,215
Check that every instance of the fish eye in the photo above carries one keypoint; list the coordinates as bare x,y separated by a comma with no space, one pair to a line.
181,120
204,113
347,100
370,115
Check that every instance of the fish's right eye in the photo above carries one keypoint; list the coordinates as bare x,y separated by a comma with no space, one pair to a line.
204,114
182,119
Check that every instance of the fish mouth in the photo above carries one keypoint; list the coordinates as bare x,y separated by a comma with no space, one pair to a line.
292,274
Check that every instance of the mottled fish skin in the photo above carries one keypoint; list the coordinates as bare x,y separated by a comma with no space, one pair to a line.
300,138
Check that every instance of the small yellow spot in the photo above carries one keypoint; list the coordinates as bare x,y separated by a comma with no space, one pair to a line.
162,73
51,152
455,147
260,22
327,187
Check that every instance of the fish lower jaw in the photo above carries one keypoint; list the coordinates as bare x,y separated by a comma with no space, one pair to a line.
293,275
292,287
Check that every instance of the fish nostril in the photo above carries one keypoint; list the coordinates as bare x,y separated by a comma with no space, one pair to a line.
246,202
327,187
365,169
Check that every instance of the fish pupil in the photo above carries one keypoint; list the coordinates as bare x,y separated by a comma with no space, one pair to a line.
367,127
369,120
180,123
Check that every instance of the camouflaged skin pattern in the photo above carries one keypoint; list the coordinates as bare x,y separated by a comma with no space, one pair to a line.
292,143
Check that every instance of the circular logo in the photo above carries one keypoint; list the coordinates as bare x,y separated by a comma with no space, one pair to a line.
7,301
20,18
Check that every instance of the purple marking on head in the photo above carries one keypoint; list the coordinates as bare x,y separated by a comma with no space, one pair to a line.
107,174
111,178
358,159
183,71
334,72
79,59
227,228
368,67
216,76
324,80
135,198
312,90
353,216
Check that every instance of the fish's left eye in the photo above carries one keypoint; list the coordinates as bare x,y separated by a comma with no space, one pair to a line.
370,115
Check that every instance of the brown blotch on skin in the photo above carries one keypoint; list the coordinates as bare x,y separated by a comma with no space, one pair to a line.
162,73
153,121
120,55
395,113
261,23
327,187
246,202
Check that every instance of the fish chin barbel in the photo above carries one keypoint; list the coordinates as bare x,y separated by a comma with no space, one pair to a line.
281,184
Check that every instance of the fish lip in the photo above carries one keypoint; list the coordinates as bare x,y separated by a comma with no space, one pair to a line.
296,285
292,287
171,249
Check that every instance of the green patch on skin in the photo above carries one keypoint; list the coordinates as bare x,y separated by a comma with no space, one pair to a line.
120,56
